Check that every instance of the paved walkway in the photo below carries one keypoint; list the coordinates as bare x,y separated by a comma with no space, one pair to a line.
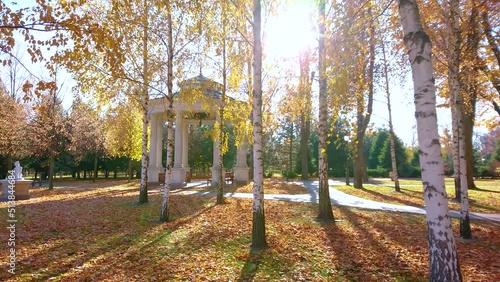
337,198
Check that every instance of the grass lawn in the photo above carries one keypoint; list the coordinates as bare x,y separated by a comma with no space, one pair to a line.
102,235
484,199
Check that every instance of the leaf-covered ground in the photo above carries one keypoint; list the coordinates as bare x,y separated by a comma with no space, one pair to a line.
484,199
102,235
272,187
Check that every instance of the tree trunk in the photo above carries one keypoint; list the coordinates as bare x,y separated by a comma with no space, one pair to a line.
471,83
143,193
164,212
391,128
51,172
358,161
222,180
360,169
129,169
305,120
456,159
458,105
347,161
95,167
443,256
469,149
258,221
325,205
304,147
9,161
290,153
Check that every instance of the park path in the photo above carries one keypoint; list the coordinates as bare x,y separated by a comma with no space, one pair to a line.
337,198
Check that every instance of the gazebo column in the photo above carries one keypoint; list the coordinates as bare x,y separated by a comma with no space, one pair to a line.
159,146
185,147
178,171
216,159
215,167
153,168
241,170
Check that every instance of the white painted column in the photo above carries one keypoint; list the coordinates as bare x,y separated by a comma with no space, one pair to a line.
216,155
178,141
178,171
215,163
159,141
185,151
241,154
241,171
185,144
153,139
152,167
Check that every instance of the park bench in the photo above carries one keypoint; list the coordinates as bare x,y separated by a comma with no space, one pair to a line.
228,177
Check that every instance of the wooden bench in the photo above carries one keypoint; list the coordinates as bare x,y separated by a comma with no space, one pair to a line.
228,177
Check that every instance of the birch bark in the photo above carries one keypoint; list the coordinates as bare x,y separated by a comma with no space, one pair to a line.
443,257
143,191
325,205
164,213
259,226
391,129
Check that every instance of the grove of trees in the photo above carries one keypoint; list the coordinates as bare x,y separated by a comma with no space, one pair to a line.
122,54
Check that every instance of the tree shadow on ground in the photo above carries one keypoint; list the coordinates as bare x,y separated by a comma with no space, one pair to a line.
376,181
251,266
362,253
387,198
485,190
71,237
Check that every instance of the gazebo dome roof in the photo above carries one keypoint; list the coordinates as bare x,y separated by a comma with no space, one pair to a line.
210,87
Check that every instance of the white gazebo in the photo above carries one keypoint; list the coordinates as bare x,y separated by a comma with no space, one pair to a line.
203,109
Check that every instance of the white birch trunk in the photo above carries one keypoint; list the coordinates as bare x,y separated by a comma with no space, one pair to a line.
455,150
221,183
259,226
164,213
442,249
391,128
455,93
325,205
143,193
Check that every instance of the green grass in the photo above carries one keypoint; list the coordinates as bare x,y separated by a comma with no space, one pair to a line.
480,200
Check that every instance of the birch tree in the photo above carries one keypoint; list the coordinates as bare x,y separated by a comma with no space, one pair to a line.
325,206
443,256
457,104
306,109
391,129
178,32
258,222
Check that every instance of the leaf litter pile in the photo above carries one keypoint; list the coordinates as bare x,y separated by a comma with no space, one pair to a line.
102,235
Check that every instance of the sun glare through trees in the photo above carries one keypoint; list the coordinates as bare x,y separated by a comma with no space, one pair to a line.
152,140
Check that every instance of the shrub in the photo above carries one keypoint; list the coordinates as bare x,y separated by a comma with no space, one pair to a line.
378,172
289,173
495,169
484,172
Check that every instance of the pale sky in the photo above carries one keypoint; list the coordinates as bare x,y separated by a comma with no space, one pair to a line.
287,44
